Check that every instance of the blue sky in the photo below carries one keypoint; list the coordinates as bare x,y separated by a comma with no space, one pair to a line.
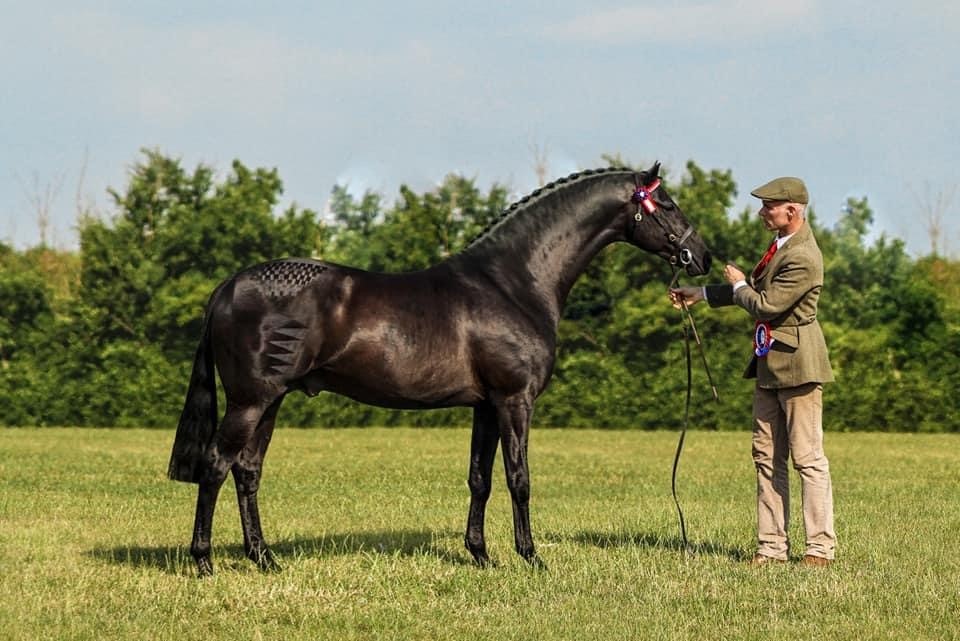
858,98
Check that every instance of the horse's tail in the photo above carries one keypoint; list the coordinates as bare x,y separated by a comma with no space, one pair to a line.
198,420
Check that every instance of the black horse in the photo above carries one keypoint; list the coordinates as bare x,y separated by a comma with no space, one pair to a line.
478,329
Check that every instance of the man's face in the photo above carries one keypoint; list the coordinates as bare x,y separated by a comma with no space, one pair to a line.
774,214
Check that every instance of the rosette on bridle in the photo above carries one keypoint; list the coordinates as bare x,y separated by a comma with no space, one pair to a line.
642,196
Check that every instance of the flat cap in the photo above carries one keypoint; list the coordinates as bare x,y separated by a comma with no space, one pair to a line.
786,188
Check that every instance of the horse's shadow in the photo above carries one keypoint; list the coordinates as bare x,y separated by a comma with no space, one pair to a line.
176,559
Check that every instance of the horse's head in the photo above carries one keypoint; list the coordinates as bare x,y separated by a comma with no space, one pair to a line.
658,225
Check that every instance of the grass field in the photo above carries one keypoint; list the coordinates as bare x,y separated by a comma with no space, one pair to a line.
368,524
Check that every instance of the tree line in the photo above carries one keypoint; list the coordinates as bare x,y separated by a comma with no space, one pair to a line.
104,336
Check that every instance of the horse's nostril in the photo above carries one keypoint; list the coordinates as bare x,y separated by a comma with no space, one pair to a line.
707,260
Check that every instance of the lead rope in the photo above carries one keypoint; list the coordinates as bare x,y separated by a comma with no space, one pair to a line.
683,436
688,326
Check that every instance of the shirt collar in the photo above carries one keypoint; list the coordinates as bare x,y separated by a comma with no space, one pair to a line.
782,240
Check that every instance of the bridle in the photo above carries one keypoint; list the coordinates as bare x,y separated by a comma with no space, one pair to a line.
643,196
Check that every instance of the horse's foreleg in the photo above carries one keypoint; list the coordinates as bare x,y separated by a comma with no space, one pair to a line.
483,449
234,432
246,476
514,415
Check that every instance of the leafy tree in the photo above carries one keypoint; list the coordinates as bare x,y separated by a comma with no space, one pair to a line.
354,225
145,277
885,325
24,309
148,272
420,230
106,336
35,288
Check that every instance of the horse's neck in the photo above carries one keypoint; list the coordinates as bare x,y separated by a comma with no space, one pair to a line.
547,250
561,259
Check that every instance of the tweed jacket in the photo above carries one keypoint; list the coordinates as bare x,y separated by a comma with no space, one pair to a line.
785,295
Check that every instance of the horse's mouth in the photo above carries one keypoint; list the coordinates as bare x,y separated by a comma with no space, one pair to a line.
700,267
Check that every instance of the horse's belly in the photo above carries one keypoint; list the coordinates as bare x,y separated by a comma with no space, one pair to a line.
397,383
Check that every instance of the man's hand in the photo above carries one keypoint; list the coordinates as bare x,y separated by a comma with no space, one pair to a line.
732,274
688,295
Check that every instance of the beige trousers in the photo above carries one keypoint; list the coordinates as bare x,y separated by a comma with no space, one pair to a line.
789,421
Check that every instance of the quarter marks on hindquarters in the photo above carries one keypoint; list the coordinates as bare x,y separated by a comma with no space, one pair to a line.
284,346
283,278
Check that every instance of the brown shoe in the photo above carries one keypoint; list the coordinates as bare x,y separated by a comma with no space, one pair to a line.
763,559
812,561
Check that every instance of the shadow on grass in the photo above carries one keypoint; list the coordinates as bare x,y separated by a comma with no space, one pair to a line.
177,560
651,540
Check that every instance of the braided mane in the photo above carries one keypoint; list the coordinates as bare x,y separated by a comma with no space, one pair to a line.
538,194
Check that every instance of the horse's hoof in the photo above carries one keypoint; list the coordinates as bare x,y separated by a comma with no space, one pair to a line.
484,562
536,563
267,562
479,554
204,567
271,567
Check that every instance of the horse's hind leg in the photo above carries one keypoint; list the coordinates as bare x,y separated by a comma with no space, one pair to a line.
235,431
246,476
483,449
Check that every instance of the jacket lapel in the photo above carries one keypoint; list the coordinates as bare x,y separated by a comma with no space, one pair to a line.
802,235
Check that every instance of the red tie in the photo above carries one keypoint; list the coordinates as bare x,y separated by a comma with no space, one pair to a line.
766,259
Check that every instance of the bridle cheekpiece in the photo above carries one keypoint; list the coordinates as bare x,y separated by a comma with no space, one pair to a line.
643,196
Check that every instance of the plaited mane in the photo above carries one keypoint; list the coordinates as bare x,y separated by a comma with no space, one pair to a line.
537,195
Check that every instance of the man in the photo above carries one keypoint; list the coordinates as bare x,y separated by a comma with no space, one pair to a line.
790,364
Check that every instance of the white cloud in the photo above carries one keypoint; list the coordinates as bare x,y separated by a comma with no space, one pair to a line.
690,22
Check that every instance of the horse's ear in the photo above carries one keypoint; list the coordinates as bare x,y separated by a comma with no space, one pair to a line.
654,172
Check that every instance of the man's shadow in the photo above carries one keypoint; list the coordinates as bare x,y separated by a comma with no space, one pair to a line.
657,541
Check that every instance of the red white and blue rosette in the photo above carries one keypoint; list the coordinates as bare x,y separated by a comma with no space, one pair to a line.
762,339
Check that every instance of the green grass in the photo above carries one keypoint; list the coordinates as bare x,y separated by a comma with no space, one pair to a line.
368,524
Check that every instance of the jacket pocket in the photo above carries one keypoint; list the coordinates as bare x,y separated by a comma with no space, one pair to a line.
789,336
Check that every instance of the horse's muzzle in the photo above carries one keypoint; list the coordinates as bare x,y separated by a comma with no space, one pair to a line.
693,266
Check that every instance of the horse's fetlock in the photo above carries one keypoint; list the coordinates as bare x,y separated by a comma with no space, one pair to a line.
477,548
200,550
475,542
